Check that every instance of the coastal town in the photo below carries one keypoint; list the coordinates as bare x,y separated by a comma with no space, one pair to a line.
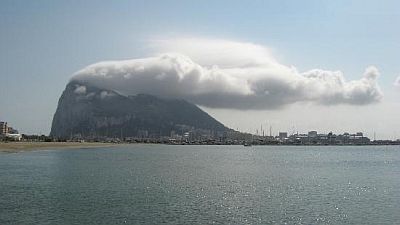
192,136
247,139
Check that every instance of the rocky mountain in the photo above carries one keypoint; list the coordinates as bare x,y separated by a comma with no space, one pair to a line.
89,111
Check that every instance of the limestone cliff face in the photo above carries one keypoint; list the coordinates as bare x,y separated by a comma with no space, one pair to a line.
89,111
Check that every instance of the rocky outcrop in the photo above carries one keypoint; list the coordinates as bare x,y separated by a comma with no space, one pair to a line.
89,111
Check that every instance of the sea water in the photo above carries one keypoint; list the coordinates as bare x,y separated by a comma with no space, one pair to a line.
166,184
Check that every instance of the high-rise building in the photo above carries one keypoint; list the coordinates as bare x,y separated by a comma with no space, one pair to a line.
3,128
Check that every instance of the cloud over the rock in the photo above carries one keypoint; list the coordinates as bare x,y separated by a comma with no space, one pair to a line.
227,74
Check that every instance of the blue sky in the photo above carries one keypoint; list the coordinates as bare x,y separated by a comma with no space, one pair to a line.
42,43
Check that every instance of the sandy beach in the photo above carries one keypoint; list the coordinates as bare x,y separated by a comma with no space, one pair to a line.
11,147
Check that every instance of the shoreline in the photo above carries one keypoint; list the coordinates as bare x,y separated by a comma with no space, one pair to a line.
14,147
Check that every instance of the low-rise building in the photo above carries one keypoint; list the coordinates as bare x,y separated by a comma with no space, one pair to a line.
312,134
282,135
14,137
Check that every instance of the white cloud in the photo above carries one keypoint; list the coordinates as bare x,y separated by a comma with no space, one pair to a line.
397,82
224,53
228,74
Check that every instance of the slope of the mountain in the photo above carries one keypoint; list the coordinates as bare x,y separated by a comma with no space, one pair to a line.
89,111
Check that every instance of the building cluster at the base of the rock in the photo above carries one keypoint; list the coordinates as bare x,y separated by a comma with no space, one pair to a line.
232,137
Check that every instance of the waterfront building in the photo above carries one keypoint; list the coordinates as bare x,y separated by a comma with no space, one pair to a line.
282,135
312,134
14,137
3,128
11,130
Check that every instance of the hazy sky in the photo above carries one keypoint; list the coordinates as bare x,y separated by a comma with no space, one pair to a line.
272,44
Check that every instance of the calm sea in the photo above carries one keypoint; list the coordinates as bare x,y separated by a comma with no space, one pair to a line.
160,184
